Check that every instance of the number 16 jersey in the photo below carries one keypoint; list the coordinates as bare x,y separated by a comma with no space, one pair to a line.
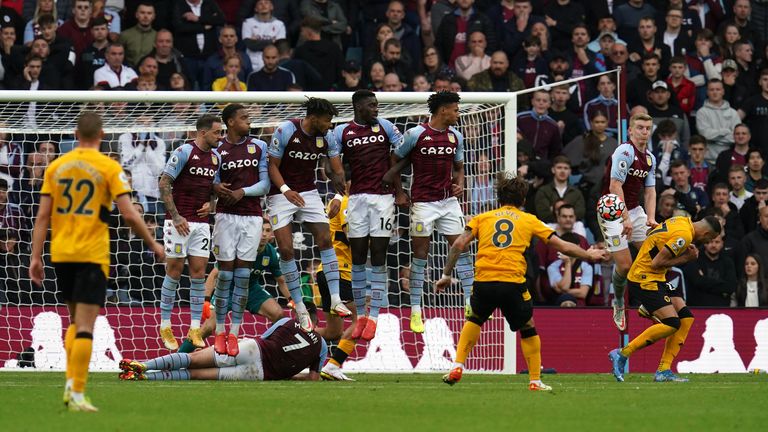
503,235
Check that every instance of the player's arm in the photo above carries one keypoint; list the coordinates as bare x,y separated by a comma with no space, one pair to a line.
400,158
282,286
172,169
395,140
40,232
458,246
276,149
274,269
314,369
649,195
666,258
261,187
573,250
457,186
136,222
336,174
210,283
621,160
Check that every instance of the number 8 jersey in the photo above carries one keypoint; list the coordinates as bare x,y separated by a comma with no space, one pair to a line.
503,235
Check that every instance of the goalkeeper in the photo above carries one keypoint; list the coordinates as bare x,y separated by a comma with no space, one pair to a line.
260,302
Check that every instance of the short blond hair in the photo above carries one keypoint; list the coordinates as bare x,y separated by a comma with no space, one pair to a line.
89,125
639,117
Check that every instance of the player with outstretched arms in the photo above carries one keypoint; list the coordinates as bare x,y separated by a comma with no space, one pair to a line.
503,236
296,147
436,152
366,145
186,186
282,352
241,181
77,195
630,170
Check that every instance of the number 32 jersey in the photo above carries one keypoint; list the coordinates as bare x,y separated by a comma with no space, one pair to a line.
503,236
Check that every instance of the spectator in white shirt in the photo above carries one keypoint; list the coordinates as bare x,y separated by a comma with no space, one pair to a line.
261,30
114,74
476,60
143,153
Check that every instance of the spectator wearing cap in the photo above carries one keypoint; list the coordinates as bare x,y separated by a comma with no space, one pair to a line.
605,26
78,28
214,65
407,35
9,17
452,36
735,93
333,21
270,77
603,53
476,60
660,109
514,31
93,56
260,30
305,74
195,26
323,55
639,88
683,88
648,42
562,17
754,112
703,63
716,120
559,69
529,63
139,40
351,78
114,74
539,128
673,35
628,15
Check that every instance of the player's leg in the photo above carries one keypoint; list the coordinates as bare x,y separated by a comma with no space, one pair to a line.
334,324
423,216
322,236
69,338
359,249
198,254
173,269
247,251
618,246
269,309
209,326
332,370
466,271
380,218
484,301
452,224
675,342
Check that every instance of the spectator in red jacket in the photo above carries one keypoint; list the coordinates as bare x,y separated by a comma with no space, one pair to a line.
539,128
683,88
78,28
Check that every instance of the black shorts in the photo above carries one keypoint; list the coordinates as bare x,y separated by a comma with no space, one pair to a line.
345,291
513,299
81,282
654,300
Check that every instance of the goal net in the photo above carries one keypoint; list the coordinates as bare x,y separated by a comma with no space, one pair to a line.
35,127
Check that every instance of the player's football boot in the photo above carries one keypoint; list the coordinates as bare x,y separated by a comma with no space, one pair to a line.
305,321
331,372
127,365
169,340
619,317
369,332
84,405
341,310
453,376
233,349
220,343
359,326
467,310
417,325
132,376
643,312
668,376
195,335
539,386
67,394
618,363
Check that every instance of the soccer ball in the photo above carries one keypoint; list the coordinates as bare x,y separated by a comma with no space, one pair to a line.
610,207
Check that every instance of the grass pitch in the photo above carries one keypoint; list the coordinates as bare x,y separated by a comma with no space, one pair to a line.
32,401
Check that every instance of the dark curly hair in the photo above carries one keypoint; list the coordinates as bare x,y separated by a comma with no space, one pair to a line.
510,190
436,100
317,106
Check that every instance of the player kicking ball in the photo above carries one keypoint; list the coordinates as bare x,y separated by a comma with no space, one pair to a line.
282,352
668,245
503,236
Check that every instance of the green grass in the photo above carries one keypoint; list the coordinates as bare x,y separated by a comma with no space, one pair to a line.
32,401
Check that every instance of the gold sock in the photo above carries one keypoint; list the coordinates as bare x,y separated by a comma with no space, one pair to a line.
80,359
69,339
648,337
343,350
470,334
531,347
674,343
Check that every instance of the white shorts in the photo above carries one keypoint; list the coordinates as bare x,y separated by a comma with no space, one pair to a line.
196,243
445,215
282,212
246,366
614,241
370,215
236,236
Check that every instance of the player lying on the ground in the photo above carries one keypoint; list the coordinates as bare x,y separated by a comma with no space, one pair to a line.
259,301
282,352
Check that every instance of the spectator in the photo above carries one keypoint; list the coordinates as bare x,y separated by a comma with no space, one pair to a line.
139,40
569,123
169,59
588,153
433,66
179,82
146,82
727,36
513,32
606,40
683,88
681,182
330,15
754,112
620,57
60,48
214,65
30,78
33,29
375,76
737,179
756,241
605,103
143,153
111,16
442,83
476,60
77,29
529,63
93,56
666,206
11,263
481,186
11,158
752,288
661,109
742,53
711,279
639,88
392,83
562,17
716,120
148,70
558,189
702,67
230,81
452,36
571,278
271,77
9,52
114,74
307,77
27,195
742,11
606,28
647,43
728,211
10,18
700,168
352,78
628,15
497,78
755,167
736,155
404,32
11,215
674,37
420,84
324,55
195,26
392,61
582,62
750,211
261,30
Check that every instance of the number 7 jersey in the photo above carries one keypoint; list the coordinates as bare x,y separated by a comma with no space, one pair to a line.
502,236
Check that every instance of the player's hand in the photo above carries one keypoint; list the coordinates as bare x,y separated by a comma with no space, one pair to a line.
388,180
36,271
443,283
597,254
333,208
206,311
692,252
181,225
294,198
159,252
457,190
652,223
402,199
222,190
205,210
237,195
627,230
291,305
340,186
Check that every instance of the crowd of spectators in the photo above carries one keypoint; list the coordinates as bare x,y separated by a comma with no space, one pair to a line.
698,67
